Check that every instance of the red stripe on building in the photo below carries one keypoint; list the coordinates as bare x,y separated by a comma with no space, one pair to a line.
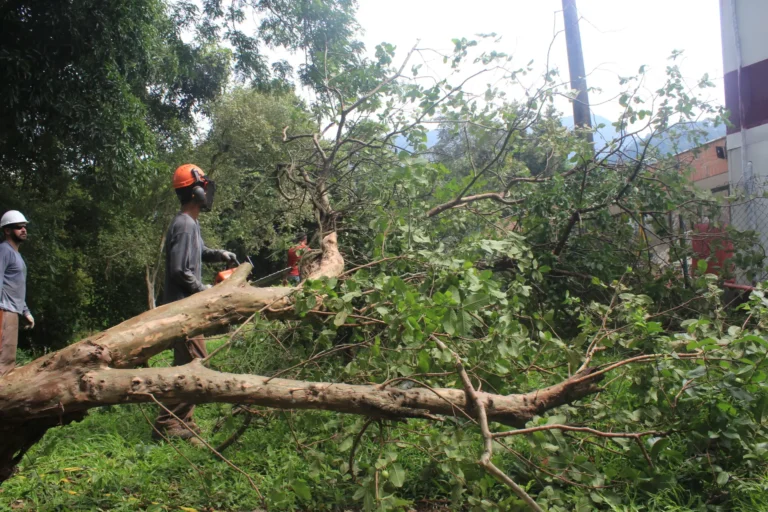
754,86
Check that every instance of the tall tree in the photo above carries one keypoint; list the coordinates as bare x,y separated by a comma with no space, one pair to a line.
481,293
99,104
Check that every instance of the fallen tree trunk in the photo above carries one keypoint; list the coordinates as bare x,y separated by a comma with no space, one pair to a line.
60,387
194,383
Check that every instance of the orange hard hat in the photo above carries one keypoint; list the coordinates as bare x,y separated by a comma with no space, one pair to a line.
186,175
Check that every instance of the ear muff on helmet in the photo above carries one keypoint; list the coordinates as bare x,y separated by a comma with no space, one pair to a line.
197,186
203,190
198,194
204,195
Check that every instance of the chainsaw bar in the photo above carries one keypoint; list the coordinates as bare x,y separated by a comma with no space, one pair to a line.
276,276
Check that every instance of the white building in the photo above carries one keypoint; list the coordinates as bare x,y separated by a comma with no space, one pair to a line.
744,34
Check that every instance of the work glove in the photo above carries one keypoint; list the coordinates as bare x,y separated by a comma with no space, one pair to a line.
207,286
229,257
30,321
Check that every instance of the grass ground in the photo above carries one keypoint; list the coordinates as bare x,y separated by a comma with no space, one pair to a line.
109,462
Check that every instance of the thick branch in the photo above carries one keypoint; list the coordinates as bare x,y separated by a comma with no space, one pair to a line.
63,386
95,371
80,389
134,341
459,201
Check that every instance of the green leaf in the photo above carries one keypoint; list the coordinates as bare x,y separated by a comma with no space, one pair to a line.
476,301
449,322
653,327
360,492
756,339
464,322
424,361
346,444
556,419
658,446
340,318
699,371
760,408
722,478
397,475
301,489
347,297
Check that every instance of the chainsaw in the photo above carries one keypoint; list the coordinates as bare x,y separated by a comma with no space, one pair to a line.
275,276
226,274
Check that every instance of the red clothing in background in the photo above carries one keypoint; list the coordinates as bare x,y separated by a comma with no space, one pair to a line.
294,255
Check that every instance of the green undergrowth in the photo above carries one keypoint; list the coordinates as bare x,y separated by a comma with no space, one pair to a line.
299,460
109,462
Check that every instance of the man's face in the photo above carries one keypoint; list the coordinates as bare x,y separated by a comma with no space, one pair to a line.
17,232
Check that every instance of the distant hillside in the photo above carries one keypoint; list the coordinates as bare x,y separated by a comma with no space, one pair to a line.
664,146
608,133
710,133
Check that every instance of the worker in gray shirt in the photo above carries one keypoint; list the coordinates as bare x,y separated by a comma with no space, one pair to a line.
13,288
185,253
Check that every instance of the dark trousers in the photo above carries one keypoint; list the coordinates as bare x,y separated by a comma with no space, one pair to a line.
183,352
9,339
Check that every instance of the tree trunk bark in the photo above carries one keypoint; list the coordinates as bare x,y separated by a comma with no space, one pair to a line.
80,389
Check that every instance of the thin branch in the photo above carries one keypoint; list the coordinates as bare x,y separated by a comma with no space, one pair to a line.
460,201
371,264
316,357
229,341
356,442
598,433
485,459
237,434
219,455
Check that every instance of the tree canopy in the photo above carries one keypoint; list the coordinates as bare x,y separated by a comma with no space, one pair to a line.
510,310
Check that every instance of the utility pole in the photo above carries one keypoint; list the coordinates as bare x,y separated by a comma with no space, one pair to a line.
581,115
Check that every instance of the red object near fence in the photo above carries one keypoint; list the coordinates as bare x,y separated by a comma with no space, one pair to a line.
707,239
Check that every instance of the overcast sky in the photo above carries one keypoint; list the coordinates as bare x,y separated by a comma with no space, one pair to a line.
618,36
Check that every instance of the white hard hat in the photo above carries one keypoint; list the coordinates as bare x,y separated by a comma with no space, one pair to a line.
12,217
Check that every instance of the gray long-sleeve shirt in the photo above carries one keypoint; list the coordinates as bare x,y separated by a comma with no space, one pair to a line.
13,287
184,256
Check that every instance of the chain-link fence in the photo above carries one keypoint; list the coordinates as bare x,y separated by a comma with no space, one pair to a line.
746,209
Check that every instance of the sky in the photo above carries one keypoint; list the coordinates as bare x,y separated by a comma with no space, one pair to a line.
618,36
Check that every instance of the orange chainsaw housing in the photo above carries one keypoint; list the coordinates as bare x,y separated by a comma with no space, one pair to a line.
224,275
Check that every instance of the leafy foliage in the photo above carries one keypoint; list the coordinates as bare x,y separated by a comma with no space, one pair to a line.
513,245
100,105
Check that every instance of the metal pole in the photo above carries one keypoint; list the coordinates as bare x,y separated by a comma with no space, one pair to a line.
684,260
581,115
